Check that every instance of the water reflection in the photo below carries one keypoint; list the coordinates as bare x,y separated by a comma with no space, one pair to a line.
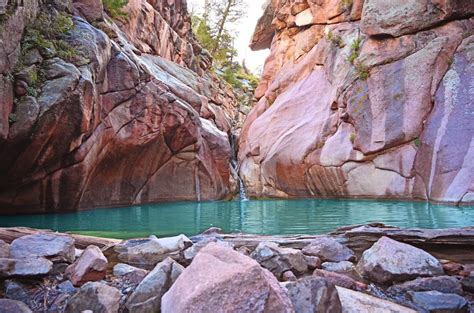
259,217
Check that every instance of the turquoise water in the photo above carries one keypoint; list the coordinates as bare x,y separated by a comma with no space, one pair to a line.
259,217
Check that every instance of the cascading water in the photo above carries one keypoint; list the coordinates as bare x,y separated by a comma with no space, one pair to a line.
242,193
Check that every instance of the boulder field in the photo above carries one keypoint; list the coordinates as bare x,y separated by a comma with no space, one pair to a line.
99,111
216,272
369,99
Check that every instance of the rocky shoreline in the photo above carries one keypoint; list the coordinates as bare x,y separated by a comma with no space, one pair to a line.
362,268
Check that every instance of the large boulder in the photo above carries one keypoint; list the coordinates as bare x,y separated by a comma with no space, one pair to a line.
57,248
13,306
435,302
391,261
96,297
222,280
356,302
313,294
279,260
90,266
147,296
329,250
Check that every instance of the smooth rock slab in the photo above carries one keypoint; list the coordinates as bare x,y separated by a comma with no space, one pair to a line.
391,261
329,250
222,280
445,284
436,302
343,266
358,302
147,296
90,266
13,306
57,248
95,296
313,294
25,267
279,260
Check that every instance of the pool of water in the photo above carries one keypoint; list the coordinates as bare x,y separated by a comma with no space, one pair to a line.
258,217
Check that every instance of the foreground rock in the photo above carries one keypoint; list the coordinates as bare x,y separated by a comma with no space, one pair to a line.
57,248
390,261
147,296
434,301
211,281
313,294
357,302
279,260
90,266
25,267
96,297
13,306
328,250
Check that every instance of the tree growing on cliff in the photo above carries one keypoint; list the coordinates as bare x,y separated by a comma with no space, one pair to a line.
225,13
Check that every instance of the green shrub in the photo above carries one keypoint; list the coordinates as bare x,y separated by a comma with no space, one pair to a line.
355,50
114,8
347,4
417,142
362,71
335,39
352,137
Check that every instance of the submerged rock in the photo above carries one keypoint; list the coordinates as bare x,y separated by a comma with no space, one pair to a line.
147,296
90,266
313,294
391,261
329,250
57,248
96,297
279,260
222,280
435,302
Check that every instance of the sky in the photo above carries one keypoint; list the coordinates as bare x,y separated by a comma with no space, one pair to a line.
253,59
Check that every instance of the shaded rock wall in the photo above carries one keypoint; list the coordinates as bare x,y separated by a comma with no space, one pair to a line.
133,117
363,99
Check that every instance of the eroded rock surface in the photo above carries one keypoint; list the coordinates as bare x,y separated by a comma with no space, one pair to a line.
363,99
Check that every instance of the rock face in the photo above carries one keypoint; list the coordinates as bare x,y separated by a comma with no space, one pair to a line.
138,93
313,294
222,280
383,87
147,296
390,261
90,266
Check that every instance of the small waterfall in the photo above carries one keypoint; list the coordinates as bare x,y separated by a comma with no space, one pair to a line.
242,194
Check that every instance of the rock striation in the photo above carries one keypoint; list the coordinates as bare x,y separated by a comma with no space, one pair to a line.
363,99
115,112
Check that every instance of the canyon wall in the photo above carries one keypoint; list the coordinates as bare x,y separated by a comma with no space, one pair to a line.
370,99
112,112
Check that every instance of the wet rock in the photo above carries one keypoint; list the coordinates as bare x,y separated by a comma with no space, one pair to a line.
312,261
391,261
94,296
356,302
90,266
468,284
313,294
13,306
57,248
25,267
343,266
341,280
279,260
328,250
4,249
434,302
191,252
146,253
445,284
147,296
129,273
222,280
